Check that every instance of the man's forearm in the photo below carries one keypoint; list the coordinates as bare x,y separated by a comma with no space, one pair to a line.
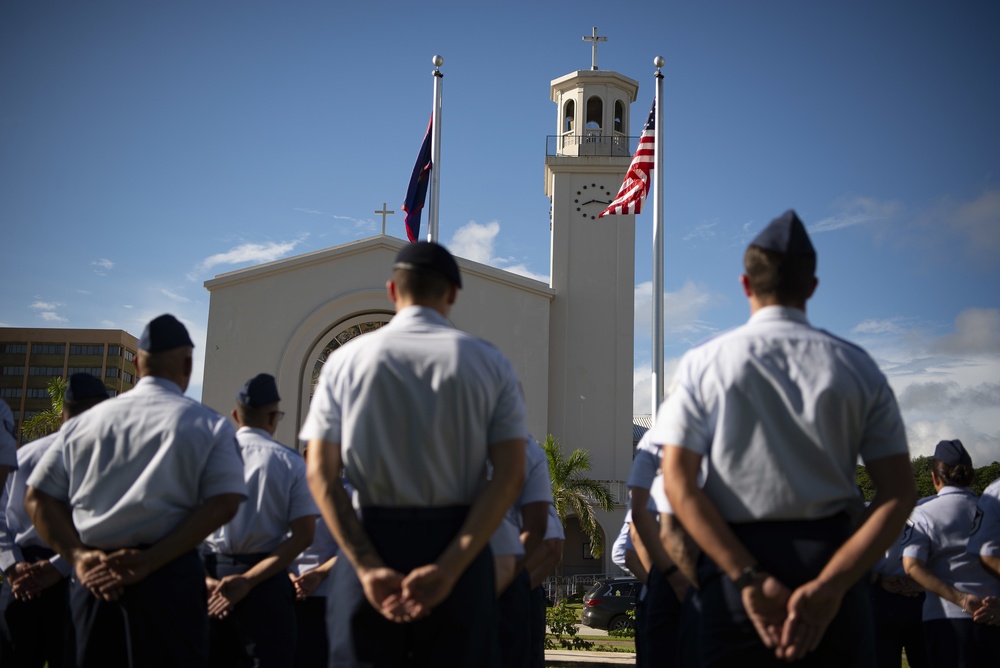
648,531
279,558
682,549
489,507
323,475
991,564
54,522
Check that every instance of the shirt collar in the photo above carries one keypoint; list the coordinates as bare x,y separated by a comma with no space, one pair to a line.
254,430
773,313
161,383
421,314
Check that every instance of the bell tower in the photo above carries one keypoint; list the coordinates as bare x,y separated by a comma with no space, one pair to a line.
592,269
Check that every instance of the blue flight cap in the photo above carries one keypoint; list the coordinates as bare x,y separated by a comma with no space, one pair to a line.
83,386
786,235
952,453
164,333
427,257
260,390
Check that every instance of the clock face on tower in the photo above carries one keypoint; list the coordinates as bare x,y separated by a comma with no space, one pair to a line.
590,199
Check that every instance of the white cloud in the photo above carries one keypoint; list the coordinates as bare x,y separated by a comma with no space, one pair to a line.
682,310
704,231
47,311
44,306
476,242
978,222
110,324
52,316
102,266
946,383
173,295
247,253
856,211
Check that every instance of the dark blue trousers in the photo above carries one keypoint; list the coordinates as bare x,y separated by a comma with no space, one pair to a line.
37,631
898,626
659,623
461,631
515,623
794,552
538,626
159,622
260,631
961,643
311,649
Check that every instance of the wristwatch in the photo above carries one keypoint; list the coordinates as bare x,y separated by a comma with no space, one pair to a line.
746,578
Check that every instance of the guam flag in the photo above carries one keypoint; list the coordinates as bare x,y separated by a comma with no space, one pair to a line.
416,194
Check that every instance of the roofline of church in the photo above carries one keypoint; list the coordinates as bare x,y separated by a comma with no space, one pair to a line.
593,77
392,244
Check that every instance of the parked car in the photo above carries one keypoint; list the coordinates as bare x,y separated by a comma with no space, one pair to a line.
606,603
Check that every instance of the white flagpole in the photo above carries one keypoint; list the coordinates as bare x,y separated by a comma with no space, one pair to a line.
435,185
657,364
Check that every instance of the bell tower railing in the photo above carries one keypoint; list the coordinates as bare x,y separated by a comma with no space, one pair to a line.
593,142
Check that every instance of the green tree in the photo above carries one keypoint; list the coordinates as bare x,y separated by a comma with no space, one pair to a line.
922,475
573,492
48,421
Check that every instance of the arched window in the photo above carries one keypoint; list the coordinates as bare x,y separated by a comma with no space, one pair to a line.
569,116
342,333
595,113
619,116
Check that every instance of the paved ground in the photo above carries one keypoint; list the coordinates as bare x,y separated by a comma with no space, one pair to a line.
567,659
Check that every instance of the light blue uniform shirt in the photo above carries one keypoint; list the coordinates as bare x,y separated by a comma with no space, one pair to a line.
414,406
891,562
8,444
554,529
937,534
324,548
16,528
277,494
622,542
537,489
134,467
782,411
985,538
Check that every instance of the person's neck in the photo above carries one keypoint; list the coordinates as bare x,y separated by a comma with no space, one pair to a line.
757,304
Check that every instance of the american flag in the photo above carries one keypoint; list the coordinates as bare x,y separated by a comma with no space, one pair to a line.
635,187
417,192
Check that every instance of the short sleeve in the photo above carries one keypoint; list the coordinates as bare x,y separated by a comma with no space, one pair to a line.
644,468
681,419
985,537
917,534
509,419
223,472
554,529
884,433
300,499
537,486
323,421
506,540
618,549
8,444
50,475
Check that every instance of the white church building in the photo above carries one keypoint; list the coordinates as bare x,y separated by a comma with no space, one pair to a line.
570,341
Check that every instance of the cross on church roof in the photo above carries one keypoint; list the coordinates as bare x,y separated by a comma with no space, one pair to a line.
594,39
385,212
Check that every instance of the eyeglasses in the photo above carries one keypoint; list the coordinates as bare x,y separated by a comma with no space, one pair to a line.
280,414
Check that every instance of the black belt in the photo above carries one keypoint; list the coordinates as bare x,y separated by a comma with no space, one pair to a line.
407,514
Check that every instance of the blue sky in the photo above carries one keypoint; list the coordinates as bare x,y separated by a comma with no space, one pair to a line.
146,147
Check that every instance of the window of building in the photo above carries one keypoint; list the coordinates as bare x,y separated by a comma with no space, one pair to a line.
14,348
13,371
10,392
569,115
45,371
81,349
92,370
112,373
112,393
37,393
595,113
126,376
345,331
129,355
114,351
619,116
48,348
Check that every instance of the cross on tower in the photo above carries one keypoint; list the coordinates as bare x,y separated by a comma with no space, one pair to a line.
385,212
594,39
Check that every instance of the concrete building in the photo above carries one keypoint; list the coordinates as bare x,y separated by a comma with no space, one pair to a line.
31,357
570,341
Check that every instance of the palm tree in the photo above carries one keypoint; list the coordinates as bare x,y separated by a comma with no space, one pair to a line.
574,493
48,421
